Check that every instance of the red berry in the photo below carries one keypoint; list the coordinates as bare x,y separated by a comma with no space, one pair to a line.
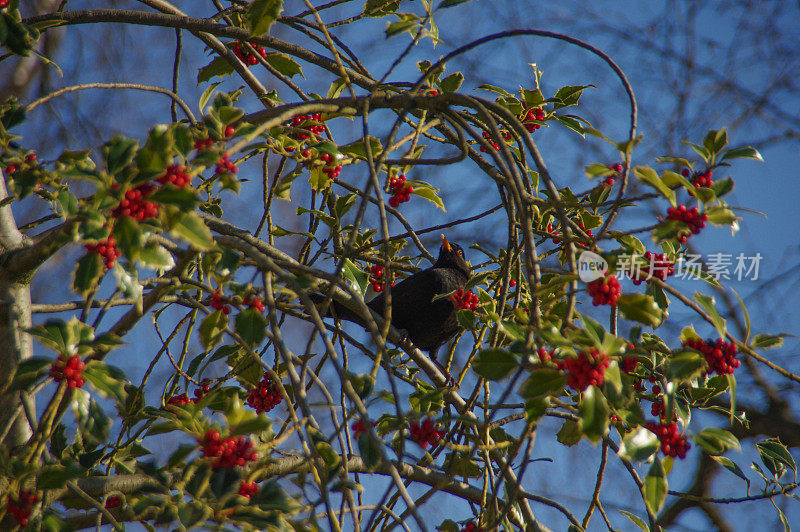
658,265
359,427
720,355
464,299
672,442
628,364
586,369
179,400
30,158
113,502
691,217
424,434
266,396
248,489
604,291
545,356
69,370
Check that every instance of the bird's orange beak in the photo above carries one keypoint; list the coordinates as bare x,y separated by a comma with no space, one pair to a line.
446,244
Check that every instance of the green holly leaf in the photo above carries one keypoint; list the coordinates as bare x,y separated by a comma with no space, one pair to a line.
156,256
766,341
746,152
685,366
192,229
594,412
542,382
359,149
284,64
119,153
262,15
707,303
494,364
649,176
716,441
655,486
426,191
251,326
569,95
641,308
380,8
452,82
638,445
569,434
212,329
369,450
87,273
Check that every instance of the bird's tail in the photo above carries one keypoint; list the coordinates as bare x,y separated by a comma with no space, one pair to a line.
336,310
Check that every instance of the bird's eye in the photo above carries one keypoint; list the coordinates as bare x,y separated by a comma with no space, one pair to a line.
461,253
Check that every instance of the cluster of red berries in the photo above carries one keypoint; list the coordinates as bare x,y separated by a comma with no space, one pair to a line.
424,434
179,400
529,116
30,159
218,304
359,427
204,388
332,168
691,217
401,192
68,368
720,356
203,144
107,249
245,56
177,175
699,179
376,278
464,299
605,290
230,452
254,302
248,489
317,129
113,502
660,411
491,142
135,204
673,443
628,364
3,3
183,399
579,223
658,265
472,526
21,508
225,165
429,92
652,379
545,356
609,181
585,369
266,396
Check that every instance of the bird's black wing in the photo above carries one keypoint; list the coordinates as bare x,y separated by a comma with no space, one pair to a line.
414,311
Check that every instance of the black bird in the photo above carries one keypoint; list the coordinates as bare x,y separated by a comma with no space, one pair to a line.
428,324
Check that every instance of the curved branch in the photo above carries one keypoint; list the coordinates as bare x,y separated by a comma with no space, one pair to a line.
175,98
